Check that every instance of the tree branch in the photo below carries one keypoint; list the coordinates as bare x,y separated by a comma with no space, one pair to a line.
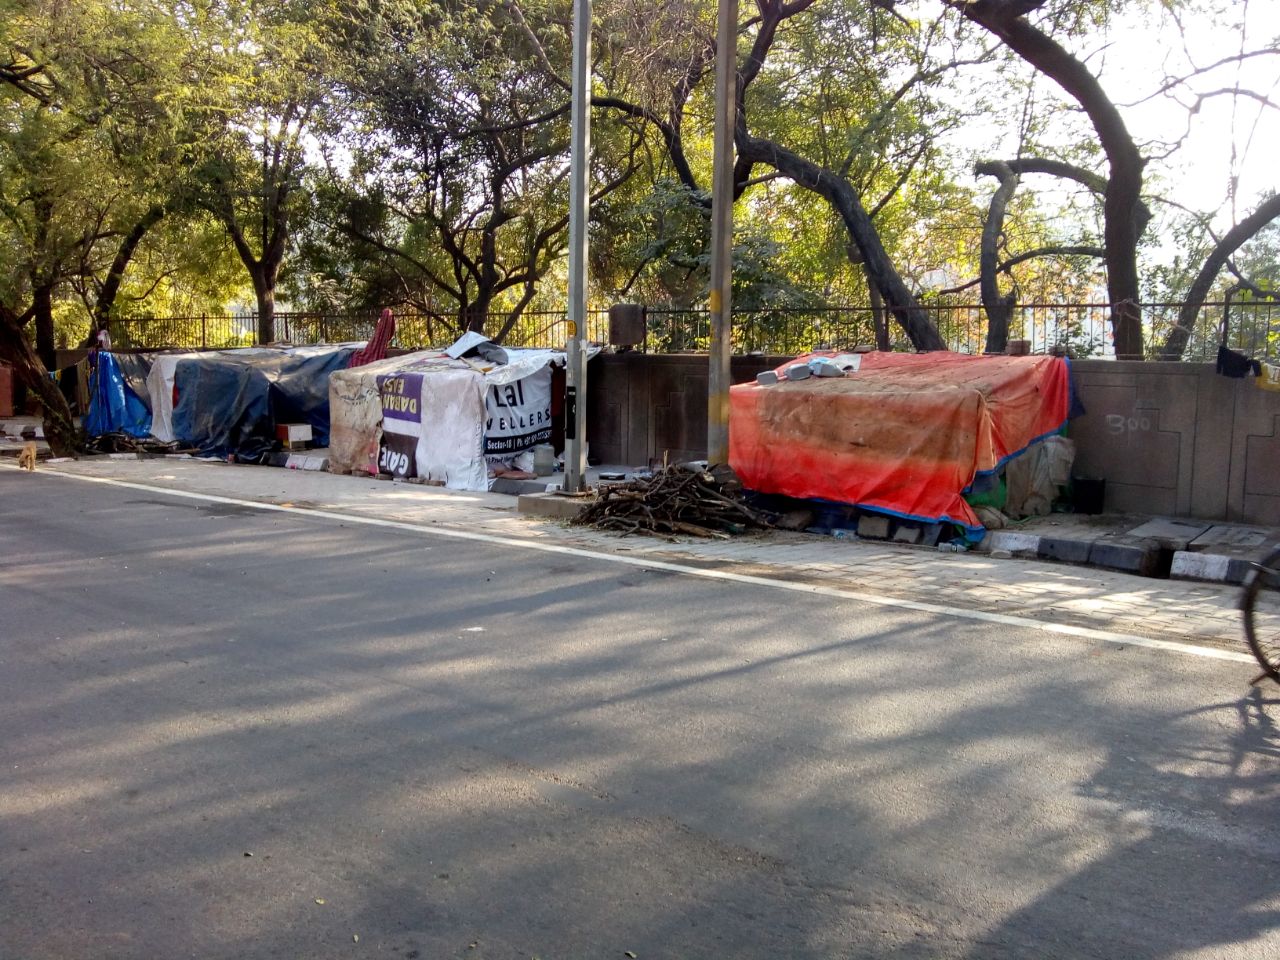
1177,339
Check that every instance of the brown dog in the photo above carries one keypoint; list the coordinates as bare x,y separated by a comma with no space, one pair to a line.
27,458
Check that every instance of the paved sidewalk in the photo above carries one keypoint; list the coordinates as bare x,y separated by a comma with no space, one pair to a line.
1171,610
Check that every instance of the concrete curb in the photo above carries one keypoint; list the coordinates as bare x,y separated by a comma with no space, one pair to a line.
1213,567
1141,557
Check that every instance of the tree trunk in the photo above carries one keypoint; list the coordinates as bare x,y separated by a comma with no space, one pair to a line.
46,349
879,322
840,194
1122,206
264,288
124,254
1176,342
998,307
878,318
530,288
263,271
473,316
59,429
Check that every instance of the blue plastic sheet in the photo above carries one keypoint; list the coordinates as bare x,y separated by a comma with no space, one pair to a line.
114,407
231,404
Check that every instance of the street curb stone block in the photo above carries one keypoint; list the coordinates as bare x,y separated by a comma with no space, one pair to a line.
1068,551
873,527
1016,544
1129,558
1215,567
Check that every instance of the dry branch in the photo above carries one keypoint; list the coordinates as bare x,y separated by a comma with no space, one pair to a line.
673,501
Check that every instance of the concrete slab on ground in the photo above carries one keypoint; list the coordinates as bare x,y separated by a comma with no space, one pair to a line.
1233,539
542,484
1214,567
554,506
1224,553
1172,534
1139,545
1128,554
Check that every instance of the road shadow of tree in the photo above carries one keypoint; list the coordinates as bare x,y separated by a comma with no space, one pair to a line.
585,763
1235,786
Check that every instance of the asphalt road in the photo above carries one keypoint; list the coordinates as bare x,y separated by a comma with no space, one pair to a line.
234,734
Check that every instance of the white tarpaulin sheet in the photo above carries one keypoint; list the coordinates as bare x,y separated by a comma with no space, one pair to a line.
451,448
465,409
517,413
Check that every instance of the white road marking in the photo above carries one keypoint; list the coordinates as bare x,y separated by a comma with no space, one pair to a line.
812,589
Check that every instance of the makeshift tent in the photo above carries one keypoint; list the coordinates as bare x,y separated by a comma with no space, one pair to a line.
230,402
437,417
418,415
160,384
904,434
118,399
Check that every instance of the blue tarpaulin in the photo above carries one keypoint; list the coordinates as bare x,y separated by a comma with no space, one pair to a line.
231,403
114,407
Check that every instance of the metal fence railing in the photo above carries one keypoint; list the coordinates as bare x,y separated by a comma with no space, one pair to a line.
1083,328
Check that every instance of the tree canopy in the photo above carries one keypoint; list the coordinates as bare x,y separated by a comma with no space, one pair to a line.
348,155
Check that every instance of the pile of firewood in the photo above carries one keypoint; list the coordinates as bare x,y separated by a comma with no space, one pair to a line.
676,500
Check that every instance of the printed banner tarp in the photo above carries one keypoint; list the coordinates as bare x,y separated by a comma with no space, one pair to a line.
465,411
518,414
401,396
905,434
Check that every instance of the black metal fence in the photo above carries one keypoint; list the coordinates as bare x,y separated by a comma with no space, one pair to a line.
1083,328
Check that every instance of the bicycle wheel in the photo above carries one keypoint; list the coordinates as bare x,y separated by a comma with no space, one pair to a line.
1261,606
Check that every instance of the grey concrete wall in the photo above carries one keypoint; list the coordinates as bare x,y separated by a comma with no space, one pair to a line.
1178,439
641,406
1169,438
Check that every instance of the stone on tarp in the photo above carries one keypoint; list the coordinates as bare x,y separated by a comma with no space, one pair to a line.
799,371
990,517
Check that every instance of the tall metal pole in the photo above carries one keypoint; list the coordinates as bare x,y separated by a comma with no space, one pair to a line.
721,297
575,452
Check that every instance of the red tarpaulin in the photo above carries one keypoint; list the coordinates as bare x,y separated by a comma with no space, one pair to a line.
905,434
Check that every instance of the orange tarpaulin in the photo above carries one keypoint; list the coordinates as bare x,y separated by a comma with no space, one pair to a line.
905,434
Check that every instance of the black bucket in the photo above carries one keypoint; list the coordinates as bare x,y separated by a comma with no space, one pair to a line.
1088,494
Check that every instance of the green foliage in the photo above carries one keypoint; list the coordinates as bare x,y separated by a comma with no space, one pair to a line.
364,153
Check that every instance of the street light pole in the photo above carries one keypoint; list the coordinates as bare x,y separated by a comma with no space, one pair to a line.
575,452
721,296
